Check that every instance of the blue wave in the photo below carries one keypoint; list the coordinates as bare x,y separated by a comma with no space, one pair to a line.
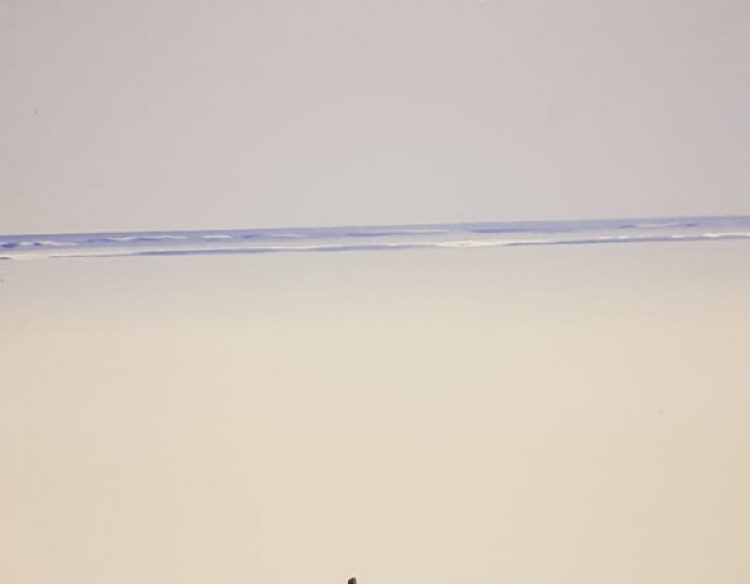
374,238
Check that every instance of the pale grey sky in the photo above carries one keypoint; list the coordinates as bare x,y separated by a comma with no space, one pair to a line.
155,114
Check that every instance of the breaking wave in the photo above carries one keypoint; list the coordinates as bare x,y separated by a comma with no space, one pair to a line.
374,238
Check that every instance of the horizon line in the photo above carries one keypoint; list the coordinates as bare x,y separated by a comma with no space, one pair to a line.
375,237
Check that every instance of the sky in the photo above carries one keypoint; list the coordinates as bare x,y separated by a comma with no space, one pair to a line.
532,415
137,114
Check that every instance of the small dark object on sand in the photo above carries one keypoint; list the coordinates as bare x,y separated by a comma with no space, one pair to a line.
352,581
